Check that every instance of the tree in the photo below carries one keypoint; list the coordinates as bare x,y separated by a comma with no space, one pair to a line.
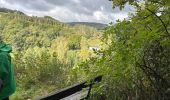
136,63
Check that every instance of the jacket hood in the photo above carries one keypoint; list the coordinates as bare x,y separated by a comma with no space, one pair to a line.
5,47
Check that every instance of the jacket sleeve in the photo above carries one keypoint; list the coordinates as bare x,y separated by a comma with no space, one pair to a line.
1,85
3,69
3,66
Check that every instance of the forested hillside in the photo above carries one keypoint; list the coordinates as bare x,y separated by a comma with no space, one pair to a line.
98,26
46,52
5,10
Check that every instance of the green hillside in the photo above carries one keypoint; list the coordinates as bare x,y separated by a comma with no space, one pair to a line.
98,26
5,10
48,49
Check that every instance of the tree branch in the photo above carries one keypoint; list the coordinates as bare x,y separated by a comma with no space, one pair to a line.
160,20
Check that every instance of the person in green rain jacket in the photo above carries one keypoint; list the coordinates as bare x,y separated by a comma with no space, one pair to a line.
7,80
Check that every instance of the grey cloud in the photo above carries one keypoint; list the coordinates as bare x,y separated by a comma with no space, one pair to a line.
84,6
39,5
60,2
96,4
69,10
73,6
88,6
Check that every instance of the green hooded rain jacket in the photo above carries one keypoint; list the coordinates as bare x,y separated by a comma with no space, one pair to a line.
6,71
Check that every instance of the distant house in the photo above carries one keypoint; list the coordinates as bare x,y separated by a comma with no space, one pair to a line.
96,48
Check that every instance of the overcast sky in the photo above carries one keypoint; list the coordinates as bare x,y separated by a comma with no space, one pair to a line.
69,10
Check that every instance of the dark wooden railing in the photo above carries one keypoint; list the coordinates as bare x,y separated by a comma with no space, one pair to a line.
72,90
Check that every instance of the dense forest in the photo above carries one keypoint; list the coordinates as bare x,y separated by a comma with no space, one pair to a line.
46,52
98,26
134,55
